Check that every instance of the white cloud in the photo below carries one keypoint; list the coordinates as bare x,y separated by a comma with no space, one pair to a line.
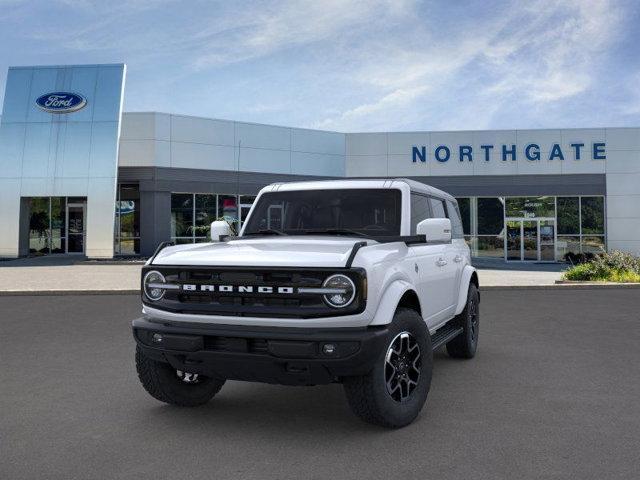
550,57
286,24
401,97
534,55
350,64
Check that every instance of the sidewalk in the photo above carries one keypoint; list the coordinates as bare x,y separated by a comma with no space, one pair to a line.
63,274
59,275
498,273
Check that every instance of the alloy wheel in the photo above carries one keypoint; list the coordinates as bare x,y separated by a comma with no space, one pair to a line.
402,366
473,319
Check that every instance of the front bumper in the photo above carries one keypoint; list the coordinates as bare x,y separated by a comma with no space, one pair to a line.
288,356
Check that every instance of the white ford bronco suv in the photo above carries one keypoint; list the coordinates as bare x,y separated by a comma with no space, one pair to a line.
349,281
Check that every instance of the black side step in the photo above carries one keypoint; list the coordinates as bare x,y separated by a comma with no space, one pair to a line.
444,335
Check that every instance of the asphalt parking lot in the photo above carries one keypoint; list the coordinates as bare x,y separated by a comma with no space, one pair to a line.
554,392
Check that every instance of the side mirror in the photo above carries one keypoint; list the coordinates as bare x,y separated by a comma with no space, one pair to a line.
219,228
435,229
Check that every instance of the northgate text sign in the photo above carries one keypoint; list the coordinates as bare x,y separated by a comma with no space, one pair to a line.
531,152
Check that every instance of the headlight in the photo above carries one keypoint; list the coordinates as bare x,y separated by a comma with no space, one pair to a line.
344,291
153,282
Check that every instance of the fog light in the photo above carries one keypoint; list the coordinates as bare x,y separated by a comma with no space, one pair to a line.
157,338
328,348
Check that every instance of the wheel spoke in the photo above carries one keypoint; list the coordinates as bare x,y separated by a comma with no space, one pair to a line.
402,366
392,388
473,318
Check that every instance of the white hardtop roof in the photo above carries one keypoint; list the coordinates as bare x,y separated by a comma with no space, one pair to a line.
359,183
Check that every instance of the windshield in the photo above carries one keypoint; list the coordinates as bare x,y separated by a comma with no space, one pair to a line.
360,212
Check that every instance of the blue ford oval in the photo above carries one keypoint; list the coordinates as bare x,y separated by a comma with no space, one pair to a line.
61,102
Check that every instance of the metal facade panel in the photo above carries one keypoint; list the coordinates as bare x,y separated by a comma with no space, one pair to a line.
49,149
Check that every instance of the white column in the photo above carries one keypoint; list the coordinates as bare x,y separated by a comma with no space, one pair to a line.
623,189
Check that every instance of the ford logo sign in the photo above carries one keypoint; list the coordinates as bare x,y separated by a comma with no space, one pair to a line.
61,102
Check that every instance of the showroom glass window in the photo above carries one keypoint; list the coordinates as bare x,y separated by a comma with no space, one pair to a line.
568,240
530,207
581,225
228,210
205,213
592,215
580,222
48,232
40,226
127,228
490,227
193,213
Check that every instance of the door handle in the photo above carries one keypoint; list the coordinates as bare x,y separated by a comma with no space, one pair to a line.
457,258
441,262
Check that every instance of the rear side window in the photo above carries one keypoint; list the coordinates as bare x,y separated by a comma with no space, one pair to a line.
457,230
437,208
419,210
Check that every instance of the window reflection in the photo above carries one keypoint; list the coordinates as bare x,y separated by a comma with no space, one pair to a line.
490,216
48,229
579,221
592,210
193,213
593,244
568,215
490,246
127,226
530,207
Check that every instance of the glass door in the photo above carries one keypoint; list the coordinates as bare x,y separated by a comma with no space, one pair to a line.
530,240
547,240
75,227
514,240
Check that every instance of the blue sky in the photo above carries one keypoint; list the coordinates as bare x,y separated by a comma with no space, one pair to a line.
350,65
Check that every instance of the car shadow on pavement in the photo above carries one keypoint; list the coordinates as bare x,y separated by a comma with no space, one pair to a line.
271,408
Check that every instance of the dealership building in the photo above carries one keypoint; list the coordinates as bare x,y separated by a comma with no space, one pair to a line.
80,176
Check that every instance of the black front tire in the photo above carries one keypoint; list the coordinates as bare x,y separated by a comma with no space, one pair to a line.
369,396
163,383
466,344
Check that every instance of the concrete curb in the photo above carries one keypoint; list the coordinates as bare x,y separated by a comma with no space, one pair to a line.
110,262
563,286
580,282
16,293
556,286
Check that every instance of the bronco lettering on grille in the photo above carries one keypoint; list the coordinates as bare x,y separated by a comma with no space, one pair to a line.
190,287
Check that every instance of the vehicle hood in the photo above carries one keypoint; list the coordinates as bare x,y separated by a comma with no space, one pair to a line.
289,251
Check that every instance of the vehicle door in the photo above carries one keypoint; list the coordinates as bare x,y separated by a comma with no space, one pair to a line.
425,265
457,234
448,262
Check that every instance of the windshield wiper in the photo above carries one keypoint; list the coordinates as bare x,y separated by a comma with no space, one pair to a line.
265,231
336,231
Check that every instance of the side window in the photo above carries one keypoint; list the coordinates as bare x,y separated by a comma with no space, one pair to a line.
437,207
456,223
419,210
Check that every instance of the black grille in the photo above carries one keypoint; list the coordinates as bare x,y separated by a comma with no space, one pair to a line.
254,304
